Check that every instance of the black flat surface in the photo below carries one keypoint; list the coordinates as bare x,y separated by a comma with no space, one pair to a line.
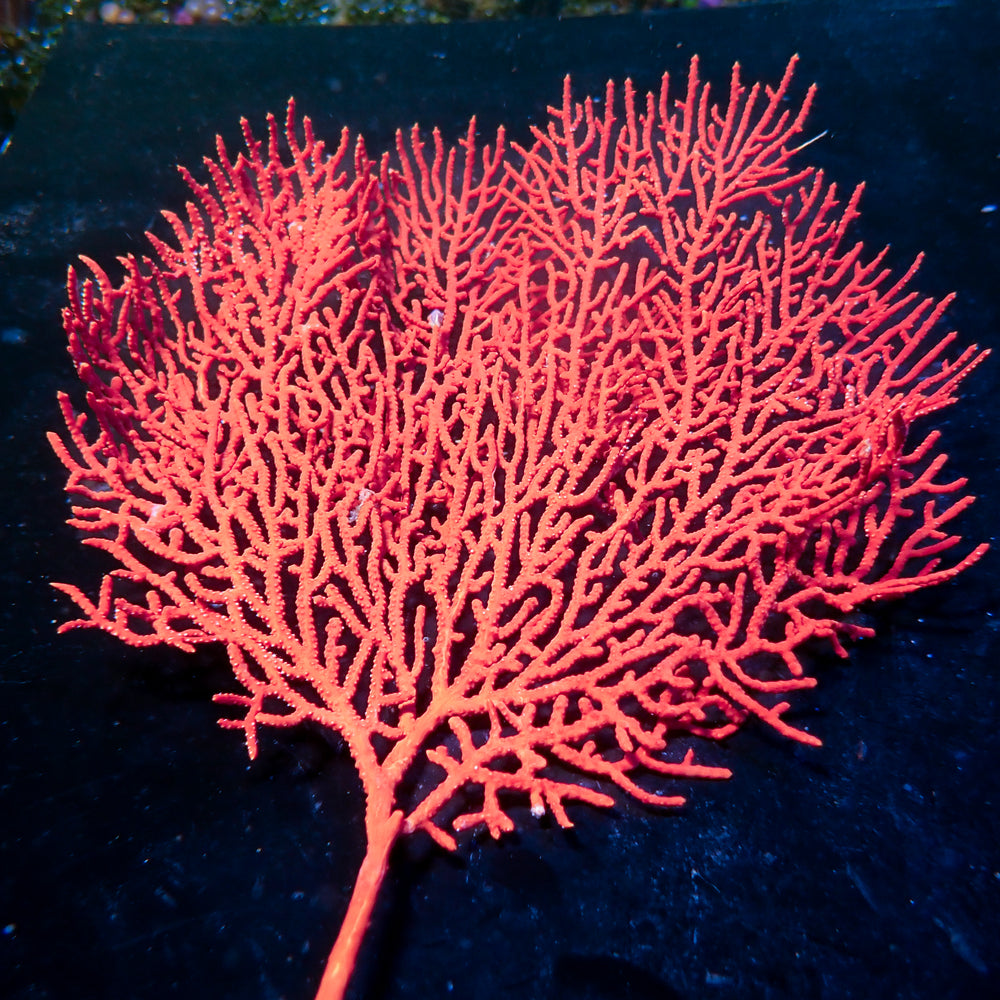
143,858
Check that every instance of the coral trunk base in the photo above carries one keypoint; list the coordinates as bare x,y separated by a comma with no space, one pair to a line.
340,964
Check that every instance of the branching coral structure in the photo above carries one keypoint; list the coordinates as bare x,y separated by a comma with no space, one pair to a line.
520,468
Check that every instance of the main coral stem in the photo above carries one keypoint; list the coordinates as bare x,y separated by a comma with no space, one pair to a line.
340,964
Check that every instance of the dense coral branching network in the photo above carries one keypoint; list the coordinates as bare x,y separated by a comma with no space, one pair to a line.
515,467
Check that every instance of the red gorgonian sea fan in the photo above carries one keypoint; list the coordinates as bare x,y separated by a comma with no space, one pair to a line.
511,465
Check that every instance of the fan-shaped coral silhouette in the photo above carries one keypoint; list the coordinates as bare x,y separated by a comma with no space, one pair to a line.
512,466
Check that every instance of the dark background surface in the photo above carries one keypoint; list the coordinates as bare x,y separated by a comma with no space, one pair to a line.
143,857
